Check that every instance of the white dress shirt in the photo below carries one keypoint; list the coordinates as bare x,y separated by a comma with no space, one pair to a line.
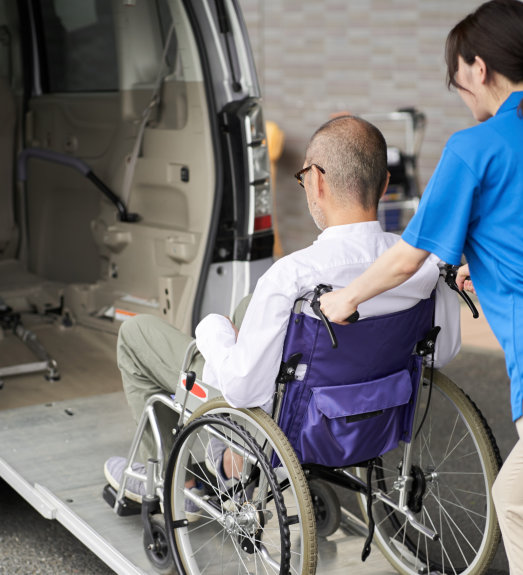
245,370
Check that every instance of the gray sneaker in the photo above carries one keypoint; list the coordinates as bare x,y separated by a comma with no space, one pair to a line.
113,471
135,489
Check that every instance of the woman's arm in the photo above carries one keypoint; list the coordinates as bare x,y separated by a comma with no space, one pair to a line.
391,269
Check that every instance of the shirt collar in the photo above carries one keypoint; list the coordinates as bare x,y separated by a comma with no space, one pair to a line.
510,103
341,231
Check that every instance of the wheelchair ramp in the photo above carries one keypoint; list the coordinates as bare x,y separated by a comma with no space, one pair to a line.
60,472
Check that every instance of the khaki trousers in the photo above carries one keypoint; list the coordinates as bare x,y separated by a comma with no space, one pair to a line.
150,354
507,493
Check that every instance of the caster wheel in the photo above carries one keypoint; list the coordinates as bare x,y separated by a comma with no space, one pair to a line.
158,552
326,507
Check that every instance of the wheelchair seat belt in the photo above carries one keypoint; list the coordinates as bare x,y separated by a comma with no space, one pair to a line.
153,103
367,545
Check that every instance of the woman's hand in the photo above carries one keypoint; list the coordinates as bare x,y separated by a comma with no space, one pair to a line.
336,306
463,280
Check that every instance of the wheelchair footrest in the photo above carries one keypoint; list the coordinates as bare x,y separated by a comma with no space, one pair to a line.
124,507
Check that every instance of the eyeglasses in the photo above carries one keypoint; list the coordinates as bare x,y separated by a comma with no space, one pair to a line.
301,174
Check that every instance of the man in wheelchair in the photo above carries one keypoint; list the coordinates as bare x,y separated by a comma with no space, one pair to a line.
344,176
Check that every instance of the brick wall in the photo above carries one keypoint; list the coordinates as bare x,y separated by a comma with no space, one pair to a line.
315,58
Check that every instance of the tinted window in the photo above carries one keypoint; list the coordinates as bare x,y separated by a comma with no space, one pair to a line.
165,21
79,46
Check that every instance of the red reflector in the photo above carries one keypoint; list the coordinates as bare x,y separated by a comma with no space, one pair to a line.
262,223
197,390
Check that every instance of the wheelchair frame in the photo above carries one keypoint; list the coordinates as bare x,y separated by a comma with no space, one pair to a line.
411,542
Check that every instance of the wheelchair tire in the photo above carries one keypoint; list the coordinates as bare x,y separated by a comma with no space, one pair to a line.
159,555
455,460
288,489
327,509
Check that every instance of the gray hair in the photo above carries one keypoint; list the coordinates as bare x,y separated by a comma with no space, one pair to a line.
353,153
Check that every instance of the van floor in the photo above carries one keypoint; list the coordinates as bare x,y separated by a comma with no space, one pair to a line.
86,361
86,356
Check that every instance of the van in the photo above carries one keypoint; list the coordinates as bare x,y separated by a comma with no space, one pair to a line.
134,179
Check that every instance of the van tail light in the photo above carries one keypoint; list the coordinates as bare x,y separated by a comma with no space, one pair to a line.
262,207
262,223
258,170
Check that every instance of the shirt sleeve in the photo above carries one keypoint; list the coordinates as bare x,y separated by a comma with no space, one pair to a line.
245,370
214,327
441,222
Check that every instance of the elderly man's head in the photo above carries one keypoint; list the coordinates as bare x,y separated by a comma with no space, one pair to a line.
351,155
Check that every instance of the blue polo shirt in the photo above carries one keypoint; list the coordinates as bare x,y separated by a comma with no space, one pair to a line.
473,205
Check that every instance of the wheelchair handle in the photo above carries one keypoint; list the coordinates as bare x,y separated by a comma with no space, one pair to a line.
319,290
451,273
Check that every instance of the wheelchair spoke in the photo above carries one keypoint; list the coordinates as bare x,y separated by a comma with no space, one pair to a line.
444,555
451,436
470,512
454,527
425,451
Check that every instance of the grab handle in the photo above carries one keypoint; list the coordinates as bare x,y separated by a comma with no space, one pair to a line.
79,166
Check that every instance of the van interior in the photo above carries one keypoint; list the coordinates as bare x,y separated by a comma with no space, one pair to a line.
107,186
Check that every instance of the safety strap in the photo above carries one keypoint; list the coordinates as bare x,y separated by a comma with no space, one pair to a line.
367,545
153,103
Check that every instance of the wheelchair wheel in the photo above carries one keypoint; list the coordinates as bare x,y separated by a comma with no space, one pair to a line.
263,522
158,552
327,509
455,461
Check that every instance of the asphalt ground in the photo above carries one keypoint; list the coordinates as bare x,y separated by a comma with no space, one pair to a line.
32,545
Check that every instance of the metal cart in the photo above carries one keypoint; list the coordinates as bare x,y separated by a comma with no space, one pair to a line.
403,130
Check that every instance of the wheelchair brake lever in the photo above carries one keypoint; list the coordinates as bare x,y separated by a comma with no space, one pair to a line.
190,379
450,280
319,290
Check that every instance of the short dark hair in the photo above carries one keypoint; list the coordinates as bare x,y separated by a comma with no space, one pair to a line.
353,153
494,32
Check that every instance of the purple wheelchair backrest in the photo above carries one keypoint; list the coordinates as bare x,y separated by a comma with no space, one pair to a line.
353,403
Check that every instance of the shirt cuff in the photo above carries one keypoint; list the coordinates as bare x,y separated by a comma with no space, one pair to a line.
214,334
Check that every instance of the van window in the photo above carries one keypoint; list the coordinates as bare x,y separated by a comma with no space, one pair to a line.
79,46
165,20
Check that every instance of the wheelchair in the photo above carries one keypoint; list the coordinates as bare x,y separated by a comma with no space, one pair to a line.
359,408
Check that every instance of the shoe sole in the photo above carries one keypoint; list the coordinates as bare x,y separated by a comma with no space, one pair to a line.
116,486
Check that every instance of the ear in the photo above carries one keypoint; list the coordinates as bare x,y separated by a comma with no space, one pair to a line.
480,69
385,187
318,182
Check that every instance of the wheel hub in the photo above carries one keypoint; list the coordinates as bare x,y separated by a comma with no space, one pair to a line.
417,491
159,547
250,524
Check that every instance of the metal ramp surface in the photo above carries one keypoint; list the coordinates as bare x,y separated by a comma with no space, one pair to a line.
60,472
